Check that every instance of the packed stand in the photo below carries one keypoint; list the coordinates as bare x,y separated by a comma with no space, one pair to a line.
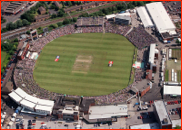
118,29
140,38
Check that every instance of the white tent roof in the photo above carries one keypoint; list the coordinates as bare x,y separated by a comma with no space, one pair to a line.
160,17
32,99
110,16
15,96
152,53
144,17
20,92
172,90
27,103
44,108
46,102
107,111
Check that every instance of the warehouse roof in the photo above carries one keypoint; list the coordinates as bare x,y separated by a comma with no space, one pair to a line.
146,126
96,112
162,112
144,17
44,108
171,90
152,53
160,17
110,16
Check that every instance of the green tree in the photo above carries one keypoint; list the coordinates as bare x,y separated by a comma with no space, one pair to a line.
69,3
3,30
59,24
25,22
66,21
60,13
74,20
19,23
140,3
53,16
16,40
114,8
56,8
53,6
28,32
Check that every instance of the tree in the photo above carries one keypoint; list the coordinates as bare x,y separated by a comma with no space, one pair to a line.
66,21
53,26
8,26
28,32
19,23
69,3
53,6
25,22
140,3
74,20
114,8
3,30
16,40
56,8
59,24
60,13
53,16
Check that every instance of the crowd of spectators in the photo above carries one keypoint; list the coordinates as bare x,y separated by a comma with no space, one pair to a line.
118,29
86,21
140,38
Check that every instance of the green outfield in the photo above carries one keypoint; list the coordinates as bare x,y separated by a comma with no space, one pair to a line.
83,65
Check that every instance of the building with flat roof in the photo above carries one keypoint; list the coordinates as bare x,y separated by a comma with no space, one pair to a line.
173,91
42,10
141,11
153,56
14,7
142,87
161,20
101,112
162,115
145,126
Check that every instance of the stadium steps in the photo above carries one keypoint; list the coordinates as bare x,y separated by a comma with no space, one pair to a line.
129,31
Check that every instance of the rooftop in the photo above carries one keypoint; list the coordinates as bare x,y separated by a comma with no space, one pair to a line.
146,126
96,112
162,113
142,85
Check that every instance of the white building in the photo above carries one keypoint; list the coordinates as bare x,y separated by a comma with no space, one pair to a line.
99,112
162,115
141,11
145,126
171,90
123,19
160,17
32,103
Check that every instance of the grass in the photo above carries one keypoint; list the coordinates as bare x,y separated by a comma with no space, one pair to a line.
167,75
99,79
179,75
3,55
176,53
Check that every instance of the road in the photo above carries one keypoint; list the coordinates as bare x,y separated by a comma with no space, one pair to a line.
14,18
48,22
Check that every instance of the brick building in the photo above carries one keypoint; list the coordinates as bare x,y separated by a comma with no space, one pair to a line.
42,10
40,18
57,4
142,87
